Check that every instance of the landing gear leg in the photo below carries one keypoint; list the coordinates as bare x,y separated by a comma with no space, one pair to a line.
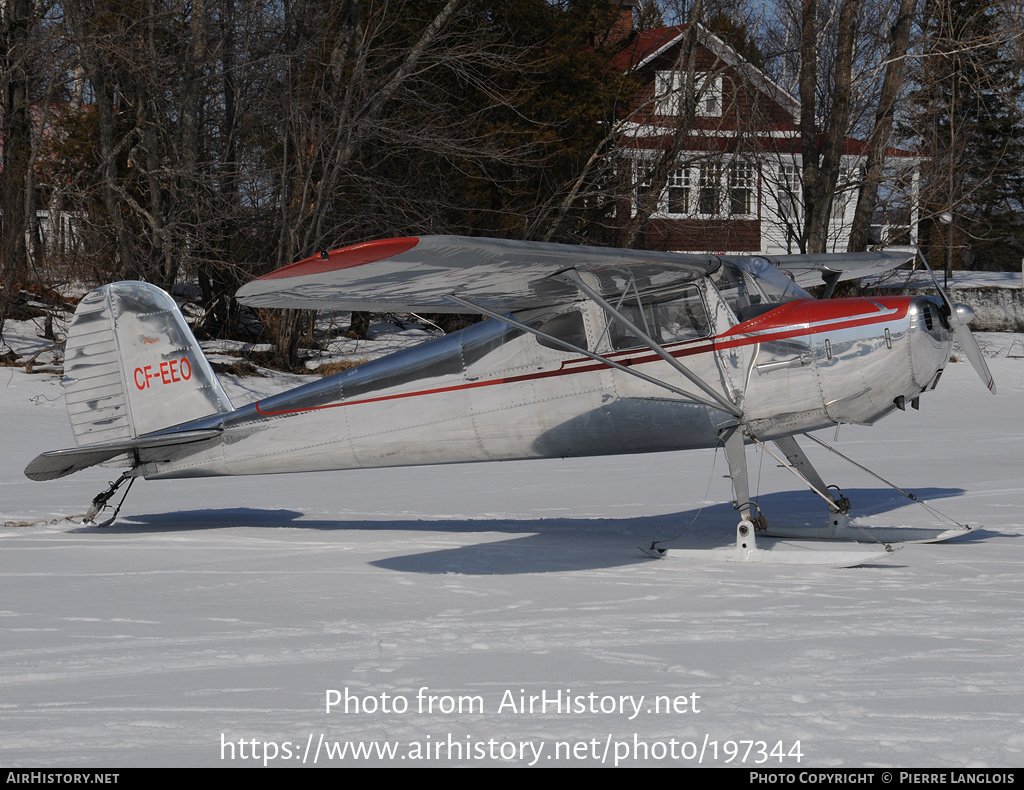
736,455
840,526
805,470
746,543
745,549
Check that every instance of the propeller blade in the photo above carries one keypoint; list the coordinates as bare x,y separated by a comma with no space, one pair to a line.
959,316
969,345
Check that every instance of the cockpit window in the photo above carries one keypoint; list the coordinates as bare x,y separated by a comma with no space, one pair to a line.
670,319
752,286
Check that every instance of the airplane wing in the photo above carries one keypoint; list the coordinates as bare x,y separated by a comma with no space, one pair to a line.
417,274
811,270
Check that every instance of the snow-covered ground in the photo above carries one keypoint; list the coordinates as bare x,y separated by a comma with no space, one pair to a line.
214,619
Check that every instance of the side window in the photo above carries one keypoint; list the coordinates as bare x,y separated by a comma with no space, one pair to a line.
623,337
740,292
670,320
568,327
752,286
683,318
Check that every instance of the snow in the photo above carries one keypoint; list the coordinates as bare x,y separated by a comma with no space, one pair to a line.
223,611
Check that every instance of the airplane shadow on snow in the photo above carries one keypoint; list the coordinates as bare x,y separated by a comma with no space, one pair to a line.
561,544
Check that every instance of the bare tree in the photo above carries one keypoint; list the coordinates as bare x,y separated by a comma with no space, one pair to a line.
686,96
19,55
881,132
822,138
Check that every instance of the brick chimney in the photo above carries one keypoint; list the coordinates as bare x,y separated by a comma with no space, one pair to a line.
623,26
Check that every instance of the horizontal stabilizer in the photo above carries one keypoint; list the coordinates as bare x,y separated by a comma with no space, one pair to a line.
60,463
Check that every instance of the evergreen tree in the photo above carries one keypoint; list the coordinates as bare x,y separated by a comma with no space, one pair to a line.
966,117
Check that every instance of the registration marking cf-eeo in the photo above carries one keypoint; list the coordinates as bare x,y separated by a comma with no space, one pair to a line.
170,372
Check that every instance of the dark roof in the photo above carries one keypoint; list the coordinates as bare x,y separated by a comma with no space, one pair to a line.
644,44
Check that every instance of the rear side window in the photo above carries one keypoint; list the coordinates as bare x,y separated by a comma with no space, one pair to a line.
568,327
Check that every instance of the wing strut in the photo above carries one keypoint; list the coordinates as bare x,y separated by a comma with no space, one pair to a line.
572,276
505,319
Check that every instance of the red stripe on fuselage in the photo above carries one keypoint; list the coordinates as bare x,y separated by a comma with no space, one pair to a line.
488,383
808,312
778,324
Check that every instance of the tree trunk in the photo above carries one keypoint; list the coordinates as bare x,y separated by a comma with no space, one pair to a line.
16,201
867,200
822,158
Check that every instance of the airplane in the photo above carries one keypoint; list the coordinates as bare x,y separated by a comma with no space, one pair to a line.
589,351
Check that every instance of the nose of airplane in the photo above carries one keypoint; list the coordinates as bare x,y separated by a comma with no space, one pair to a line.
931,339
965,313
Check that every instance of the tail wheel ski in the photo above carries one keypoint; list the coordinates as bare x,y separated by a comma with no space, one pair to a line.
99,502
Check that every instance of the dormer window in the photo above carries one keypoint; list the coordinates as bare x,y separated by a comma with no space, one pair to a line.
668,88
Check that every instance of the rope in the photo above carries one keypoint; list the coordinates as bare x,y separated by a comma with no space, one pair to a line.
43,522
703,504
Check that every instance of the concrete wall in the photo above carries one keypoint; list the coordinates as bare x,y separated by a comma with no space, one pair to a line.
995,309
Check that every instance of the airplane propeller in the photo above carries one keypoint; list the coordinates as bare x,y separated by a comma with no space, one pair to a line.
959,316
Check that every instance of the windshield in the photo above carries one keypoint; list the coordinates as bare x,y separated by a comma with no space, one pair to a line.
752,286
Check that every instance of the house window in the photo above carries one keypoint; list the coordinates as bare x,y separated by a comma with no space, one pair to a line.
844,195
741,189
709,199
679,191
710,104
668,88
790,193
701,190
644,179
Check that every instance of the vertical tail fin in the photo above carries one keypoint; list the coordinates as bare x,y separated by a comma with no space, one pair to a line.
132,366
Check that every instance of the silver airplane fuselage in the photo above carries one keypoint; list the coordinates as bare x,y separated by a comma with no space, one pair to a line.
496,392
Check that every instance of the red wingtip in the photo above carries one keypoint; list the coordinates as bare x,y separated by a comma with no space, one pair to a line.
345,258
